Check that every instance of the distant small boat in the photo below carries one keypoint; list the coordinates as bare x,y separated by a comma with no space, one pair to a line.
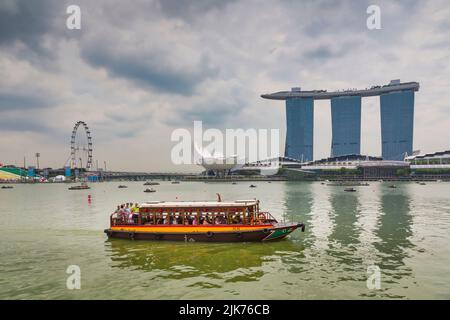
7,187
252,186
350,189
149,183
233,183
422,183
81,187
122,187
392,186
175,182
150,190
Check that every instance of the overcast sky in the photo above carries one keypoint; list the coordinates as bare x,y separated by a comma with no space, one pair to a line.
138,70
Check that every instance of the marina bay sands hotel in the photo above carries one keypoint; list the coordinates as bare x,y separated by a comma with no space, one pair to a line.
397,119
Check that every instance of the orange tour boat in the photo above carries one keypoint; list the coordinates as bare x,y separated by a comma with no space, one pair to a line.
207,221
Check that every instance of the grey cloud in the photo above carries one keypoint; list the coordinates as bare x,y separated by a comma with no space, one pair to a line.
23,101
127,133
25,123
106,132
191,10
212,115
148,72
325,52
123,126
27,22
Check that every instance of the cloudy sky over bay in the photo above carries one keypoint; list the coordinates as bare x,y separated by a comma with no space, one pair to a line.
138,70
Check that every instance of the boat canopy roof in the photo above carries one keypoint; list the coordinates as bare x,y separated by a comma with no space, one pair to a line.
198,204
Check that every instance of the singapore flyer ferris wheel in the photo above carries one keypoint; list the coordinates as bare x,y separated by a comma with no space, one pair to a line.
81,147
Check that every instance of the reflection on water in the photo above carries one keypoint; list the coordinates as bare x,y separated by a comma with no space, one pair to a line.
345,233
394,231
344,238
298,200
194,259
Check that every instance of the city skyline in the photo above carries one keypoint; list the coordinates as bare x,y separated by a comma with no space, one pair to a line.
137,76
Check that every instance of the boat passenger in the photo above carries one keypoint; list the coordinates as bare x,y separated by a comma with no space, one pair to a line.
237,219
127,208
135,212
122,213
130,218
116,215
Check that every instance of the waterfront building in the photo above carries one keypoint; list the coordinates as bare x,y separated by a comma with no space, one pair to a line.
11,173
397,119
436,159
355,167
436,164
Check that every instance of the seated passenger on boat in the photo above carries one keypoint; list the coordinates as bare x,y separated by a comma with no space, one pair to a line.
206,213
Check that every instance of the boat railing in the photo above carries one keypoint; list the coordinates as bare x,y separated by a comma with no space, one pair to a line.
123,219
267,217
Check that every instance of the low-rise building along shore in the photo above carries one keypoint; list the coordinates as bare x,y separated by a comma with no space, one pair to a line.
435,166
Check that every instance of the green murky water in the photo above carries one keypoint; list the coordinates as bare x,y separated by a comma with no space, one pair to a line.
403,231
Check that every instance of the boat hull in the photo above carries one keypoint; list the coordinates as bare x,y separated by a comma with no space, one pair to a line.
203,233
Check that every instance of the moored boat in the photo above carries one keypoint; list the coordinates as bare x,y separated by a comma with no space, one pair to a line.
206,221
151,183
83,186
149,190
